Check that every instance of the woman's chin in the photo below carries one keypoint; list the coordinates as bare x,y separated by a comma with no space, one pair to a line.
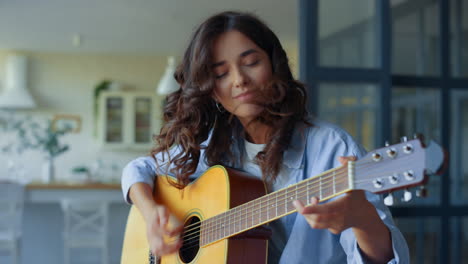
248,112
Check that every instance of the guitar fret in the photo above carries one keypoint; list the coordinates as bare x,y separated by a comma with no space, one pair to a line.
320,187
268,209
334,185
296,192
223,224
259,211
276,205
242,220
210,230
234,227
228,225
201,233
215,229
219,229
253,215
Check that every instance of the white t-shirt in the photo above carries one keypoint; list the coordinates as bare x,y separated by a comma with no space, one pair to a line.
278,239
250,166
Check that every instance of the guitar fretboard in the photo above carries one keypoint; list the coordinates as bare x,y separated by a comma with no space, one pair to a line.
273,206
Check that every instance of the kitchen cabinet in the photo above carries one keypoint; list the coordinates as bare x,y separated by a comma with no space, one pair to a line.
128,120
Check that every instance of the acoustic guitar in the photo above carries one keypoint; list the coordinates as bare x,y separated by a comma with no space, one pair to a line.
223,210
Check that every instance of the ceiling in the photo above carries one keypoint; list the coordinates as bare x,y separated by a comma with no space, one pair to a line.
157,27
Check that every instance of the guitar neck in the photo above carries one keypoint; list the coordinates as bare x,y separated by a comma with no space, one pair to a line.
275,205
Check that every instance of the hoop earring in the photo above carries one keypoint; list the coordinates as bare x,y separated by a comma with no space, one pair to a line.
221,109
300,91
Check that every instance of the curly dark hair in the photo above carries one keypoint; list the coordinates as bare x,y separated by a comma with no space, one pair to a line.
191,116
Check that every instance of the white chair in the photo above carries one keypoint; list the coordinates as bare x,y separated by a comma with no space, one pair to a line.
85,227
11,215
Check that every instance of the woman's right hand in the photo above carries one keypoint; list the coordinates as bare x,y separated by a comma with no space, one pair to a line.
163,239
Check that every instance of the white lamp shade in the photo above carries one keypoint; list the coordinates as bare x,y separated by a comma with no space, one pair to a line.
15,94
168,84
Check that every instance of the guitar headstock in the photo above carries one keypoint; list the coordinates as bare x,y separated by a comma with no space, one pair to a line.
403,165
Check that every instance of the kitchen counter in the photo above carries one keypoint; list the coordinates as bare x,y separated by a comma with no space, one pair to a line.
67,185
54,192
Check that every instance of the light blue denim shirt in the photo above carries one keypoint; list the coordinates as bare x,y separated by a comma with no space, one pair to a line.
312,151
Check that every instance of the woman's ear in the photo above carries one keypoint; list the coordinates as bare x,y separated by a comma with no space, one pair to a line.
215,97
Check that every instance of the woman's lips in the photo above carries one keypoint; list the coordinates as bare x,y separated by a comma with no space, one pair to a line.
244,96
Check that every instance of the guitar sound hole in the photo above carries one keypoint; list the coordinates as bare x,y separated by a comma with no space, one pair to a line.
191,237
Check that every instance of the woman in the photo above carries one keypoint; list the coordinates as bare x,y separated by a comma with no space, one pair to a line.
239,106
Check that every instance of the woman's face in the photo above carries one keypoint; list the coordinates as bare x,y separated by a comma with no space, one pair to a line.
240,67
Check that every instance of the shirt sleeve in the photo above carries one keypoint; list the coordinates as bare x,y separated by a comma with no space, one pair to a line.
142,169
145,169
400,248
348,239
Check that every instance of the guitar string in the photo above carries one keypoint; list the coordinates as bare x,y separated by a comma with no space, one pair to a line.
194,243
239,218
337,173
310,179
323,184
283,195
189,236
259,212
359,163
336,170
218,227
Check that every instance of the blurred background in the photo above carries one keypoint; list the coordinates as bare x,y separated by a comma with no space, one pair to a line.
82,85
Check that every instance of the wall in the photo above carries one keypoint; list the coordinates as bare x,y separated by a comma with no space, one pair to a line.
64,84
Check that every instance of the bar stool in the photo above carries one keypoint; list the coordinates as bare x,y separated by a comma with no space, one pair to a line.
85,227
11,216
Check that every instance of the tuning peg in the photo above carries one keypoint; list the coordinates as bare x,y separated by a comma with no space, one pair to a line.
386,143
389,201
404,139
421,192
407,196
418,136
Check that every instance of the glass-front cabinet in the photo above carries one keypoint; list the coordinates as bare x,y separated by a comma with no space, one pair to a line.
128,120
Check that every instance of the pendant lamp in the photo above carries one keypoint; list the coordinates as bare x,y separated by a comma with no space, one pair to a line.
168,84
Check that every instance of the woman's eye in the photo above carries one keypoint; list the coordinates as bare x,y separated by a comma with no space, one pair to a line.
219,76
255,62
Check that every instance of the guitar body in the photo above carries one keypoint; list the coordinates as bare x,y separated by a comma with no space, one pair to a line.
216,191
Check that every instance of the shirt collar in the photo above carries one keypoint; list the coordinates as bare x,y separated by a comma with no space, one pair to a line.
293,156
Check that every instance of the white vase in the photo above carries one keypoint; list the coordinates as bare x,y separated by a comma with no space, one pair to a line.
48,170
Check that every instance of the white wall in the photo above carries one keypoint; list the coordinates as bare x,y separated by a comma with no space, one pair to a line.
64,84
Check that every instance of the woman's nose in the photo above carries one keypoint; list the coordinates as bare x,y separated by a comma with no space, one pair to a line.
241,78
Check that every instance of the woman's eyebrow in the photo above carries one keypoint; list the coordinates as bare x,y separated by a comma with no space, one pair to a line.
243,54
248,52
217,64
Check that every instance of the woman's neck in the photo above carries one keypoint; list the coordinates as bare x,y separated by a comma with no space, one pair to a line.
256,132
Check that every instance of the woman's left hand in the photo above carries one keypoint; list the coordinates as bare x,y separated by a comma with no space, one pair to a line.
355,211
351,210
